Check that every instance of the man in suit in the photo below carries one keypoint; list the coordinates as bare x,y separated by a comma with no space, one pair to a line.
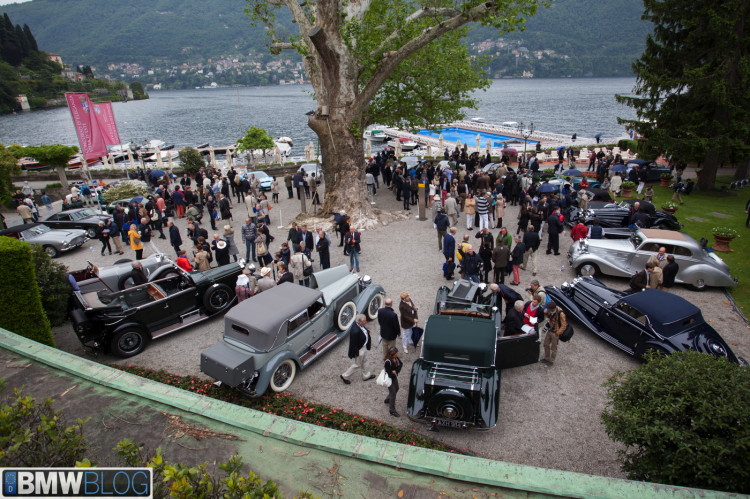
390,327
306,237
514,320
359,343
554,228
174,237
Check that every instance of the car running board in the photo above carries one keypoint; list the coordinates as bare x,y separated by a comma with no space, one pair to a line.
611,339
319,347
185,320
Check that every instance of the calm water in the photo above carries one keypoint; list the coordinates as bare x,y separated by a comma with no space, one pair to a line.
470,137
221,116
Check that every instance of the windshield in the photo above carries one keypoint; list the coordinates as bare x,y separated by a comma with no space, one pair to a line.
35,231
259,175
85,213
636,239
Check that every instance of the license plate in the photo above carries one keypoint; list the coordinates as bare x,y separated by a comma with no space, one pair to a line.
450,423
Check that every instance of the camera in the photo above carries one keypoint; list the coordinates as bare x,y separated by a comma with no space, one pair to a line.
529,290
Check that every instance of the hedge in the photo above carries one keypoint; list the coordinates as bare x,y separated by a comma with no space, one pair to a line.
21,310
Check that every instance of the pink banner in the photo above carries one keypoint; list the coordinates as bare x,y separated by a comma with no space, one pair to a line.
106,118
87,127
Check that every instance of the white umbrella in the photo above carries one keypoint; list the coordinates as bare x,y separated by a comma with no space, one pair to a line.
212,155
130,159
368,148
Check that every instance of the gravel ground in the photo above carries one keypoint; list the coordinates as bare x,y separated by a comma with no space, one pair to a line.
549,417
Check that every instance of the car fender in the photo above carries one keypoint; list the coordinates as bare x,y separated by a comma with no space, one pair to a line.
123,325
604,265
416,400
570,307
712,276
161,272
656,345
265,372
365,296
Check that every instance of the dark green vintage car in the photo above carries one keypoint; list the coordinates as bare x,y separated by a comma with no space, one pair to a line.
456,380
122,323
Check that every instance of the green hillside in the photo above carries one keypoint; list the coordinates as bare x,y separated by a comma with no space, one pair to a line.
591,37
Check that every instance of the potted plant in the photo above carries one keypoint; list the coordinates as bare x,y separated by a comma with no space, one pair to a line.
670,207
722,237
627,189
665,179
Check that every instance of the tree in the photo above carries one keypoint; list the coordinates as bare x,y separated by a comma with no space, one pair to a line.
684,421
8,168
692,82
364,60
191,159
255,139
55,155
52,277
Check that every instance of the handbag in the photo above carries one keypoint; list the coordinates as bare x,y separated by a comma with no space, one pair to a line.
261,249
567,334
307,271
383,379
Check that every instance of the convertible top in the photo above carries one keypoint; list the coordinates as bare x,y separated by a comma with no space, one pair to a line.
660,306
456,339
266,311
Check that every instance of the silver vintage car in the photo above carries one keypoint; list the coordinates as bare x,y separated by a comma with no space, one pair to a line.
272,335
114,277
623,252
54,241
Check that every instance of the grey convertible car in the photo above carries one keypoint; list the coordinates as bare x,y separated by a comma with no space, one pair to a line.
114,277
272,335
54,241
624,252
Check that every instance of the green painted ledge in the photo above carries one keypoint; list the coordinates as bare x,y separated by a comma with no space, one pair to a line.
528,480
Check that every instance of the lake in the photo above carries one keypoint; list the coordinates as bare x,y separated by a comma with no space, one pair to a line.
221,116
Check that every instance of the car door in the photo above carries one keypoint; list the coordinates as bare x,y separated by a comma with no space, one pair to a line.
518,350
624,323
58,220
645,251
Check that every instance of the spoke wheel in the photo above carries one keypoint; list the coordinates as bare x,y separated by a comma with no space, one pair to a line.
283,376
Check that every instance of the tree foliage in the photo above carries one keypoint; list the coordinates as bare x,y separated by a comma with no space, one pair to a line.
51,276
692,85
8,168
255,139
55,155
191,159
684,421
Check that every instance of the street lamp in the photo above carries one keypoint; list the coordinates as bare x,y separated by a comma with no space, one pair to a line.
526,134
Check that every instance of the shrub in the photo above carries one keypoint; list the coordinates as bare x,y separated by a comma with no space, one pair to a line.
125,190
628,184
22,311
725,231
684,421
51,276
191,159
625,144
34,434
56,185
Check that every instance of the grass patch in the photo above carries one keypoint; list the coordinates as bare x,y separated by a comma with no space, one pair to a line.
286,405
732,203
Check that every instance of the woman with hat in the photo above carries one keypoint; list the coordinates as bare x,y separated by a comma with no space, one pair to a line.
231,245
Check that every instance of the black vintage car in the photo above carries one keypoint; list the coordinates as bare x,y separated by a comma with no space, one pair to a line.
636,323
122,323
612,215
456,380
79,218
651,170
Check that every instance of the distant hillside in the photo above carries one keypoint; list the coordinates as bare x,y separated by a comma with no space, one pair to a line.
588,37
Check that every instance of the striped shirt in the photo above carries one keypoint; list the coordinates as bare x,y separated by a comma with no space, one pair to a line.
483,205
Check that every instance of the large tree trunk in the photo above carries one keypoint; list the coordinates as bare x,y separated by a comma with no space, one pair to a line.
63,177
742,170
342,155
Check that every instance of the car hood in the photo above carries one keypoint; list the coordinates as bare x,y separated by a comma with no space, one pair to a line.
58,236
608,244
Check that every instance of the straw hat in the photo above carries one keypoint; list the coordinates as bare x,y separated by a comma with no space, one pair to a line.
265,271
221,244
227,227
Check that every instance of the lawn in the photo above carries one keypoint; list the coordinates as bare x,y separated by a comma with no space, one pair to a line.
701,205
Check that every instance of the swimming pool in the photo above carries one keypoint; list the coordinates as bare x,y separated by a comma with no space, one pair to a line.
470,136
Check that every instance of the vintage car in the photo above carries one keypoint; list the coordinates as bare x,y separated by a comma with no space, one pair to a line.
122,323
54,241
636,323
618,215
114,277
262,177
272,335
124,203
456,380
624,252
653,170
79,218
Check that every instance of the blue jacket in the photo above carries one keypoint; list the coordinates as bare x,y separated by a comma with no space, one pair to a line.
449,245
441,222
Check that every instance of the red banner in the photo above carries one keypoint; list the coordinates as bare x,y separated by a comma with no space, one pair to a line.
106,118
87,127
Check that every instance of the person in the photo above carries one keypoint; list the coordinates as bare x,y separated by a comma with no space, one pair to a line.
25,212
500,256
482,207
517,260
640,280
343,226
389,326
135,241
392,366
659,259
669,273
556,325
359,343
265,282
554,228
262,250
322,246
104,237
144,229
136,274
306,238
441,224
595,230
231,244
175,239
298,264
249,233
183,262
409,319
221,250
471,264
451,209
614,186
532,241
284,274
578,232
115,235
470,210
352,247
678,189
648,194
499,210
406,191
655,277
449,244
288,185
47,202
514,320
200,258
533,312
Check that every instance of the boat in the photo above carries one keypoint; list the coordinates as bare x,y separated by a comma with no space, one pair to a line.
285,140
165,155
375,135
285,148
407,144
477,119
30,164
